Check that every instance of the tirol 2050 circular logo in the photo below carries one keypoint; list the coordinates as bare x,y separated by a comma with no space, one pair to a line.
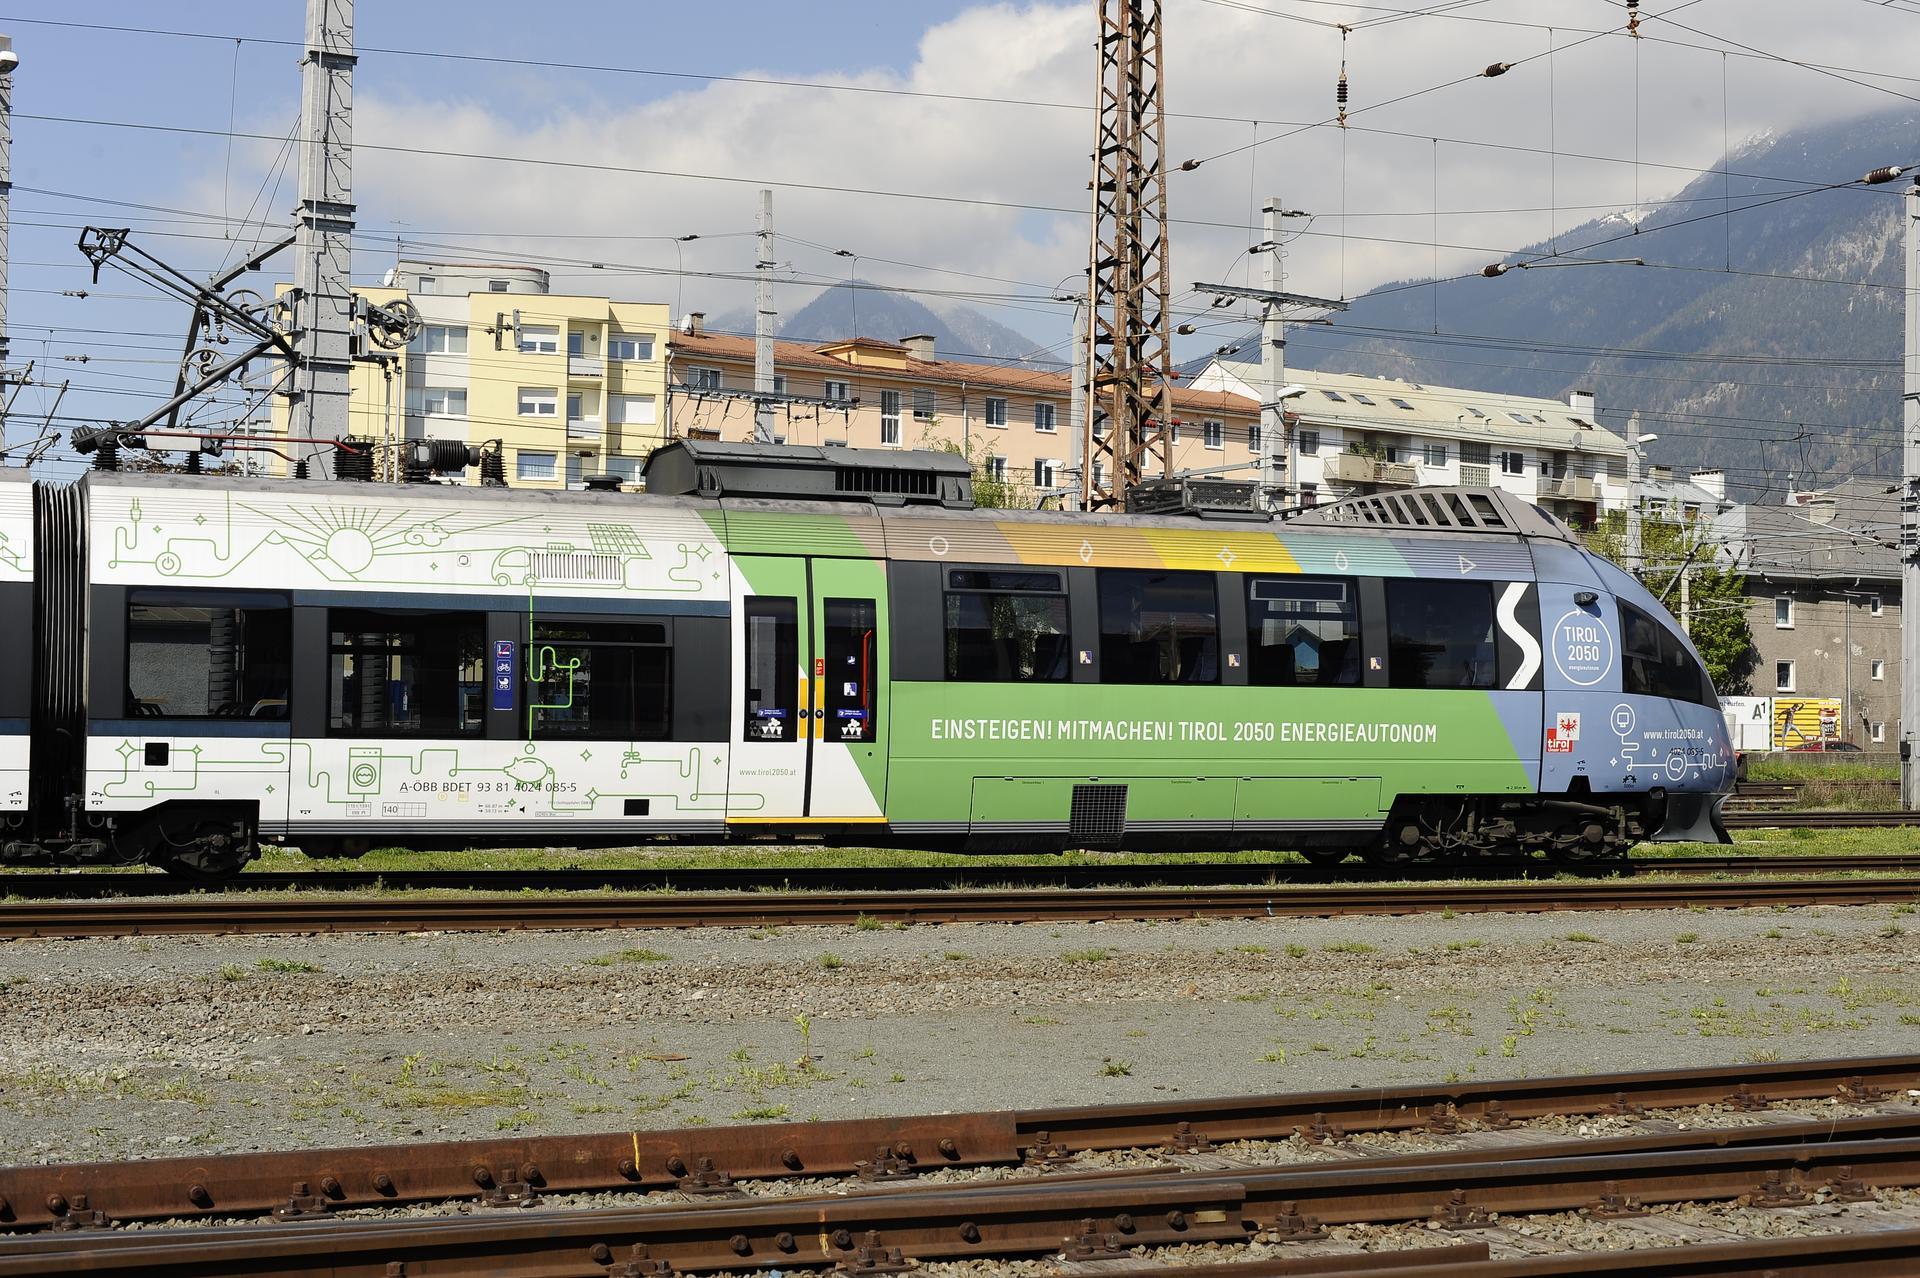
1582,648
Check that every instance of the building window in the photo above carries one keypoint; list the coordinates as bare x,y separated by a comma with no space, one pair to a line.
1158,627
576,342
996,411
1309,442
889,417
1309,495
779,383
426,284
539,339
1335,396
1303,632
1046,472
1783,676
539,401
1783,612
1876,605
443,401
534,466
496,286
703,379
1213,435
997,470
1358,398
1439,634
1476,454
632,410
922,404
1513,463
208,655
418,674
624,469
1433,454
600,680
1878,732
1253,436
839,392
1877,669
1043,418
1173,432
1007,625
1099,474
630,347
1397,402
444,339
575,407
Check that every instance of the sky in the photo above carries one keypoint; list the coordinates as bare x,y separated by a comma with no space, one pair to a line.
945,146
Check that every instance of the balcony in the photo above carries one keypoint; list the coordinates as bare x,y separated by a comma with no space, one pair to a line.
584,428
1352,468
1570,488
586,366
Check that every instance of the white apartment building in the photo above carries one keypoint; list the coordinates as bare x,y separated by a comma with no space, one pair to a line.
1371,434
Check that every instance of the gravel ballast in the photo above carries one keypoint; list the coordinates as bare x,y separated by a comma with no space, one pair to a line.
150,1047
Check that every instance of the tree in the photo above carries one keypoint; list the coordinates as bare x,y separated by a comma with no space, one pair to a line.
1716,615
988,493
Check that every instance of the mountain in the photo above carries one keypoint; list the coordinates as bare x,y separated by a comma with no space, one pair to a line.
1729,361
870,310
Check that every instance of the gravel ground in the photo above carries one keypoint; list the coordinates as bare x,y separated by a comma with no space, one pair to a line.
164,1046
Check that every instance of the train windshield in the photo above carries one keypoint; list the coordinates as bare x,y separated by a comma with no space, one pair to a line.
1657,661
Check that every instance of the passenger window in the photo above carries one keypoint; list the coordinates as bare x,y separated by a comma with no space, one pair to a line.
600,680
1440,634
203,655
1303,632
1158,627
772,669
406,673
1657,662
1006,626
851,637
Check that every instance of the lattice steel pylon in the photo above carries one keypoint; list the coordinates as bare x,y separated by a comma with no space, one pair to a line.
1129,383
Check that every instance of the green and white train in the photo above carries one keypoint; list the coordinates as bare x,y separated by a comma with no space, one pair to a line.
777,644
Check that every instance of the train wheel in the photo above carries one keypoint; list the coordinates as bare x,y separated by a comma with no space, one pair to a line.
210,850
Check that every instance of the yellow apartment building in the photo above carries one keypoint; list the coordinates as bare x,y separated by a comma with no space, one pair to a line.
1011,422
570,386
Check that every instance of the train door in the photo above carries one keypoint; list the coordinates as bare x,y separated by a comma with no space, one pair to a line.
810,670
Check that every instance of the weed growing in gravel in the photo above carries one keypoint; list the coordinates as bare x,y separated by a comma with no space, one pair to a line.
629,956
832,961
1510,1045
1350,947
232,972
1762,1056
1908,1018
1040,1020
1115,1069
953,956
1251,949
1455,1020
515,1121
285,965
1584,938
761,1112
1085,956
1892,930
1905,909
1687,938
1278,1056
867,923
896,1078
1773,934
1296,951
1454,947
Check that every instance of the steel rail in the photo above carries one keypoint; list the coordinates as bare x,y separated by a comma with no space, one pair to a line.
1003,1219
44,885
706,1157
202,915
1817,820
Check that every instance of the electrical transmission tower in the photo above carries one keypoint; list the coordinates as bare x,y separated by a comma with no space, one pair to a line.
1129,384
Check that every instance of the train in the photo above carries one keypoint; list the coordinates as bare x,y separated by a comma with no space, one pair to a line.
777,643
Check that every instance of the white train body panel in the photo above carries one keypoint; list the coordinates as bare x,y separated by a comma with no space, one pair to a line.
16,585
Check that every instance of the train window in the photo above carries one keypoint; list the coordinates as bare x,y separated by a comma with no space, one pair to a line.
1303,632
203,655
600,680
851,643
772,669
1006,625
1657,663
1440,634
419,674
1158,627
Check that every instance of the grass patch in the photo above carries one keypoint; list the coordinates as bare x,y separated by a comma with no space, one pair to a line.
831,961
281,965
1584,938
1116,1069
629,956
1350,947
1687,938
1085,956
762,1113
232,972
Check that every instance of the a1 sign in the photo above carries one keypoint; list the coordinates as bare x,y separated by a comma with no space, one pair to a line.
819,667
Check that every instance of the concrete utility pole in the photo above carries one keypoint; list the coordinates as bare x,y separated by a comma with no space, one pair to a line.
1077,405
1273,369
8,61
763,316
1910,517
1634,563
324,303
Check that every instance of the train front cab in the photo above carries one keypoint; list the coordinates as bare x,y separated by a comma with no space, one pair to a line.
1629,714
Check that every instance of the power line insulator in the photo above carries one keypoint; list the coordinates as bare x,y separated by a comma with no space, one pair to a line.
1633,18
1497,69
1886,173
1340,95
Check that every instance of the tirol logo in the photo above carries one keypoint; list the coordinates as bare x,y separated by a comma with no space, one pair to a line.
1582,648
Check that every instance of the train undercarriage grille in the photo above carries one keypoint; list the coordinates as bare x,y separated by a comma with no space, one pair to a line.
1099,815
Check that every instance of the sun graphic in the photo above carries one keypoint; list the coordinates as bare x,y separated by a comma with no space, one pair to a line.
350,548
343,541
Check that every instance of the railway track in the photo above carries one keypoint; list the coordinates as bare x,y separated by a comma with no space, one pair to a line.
1095,1216
582,911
